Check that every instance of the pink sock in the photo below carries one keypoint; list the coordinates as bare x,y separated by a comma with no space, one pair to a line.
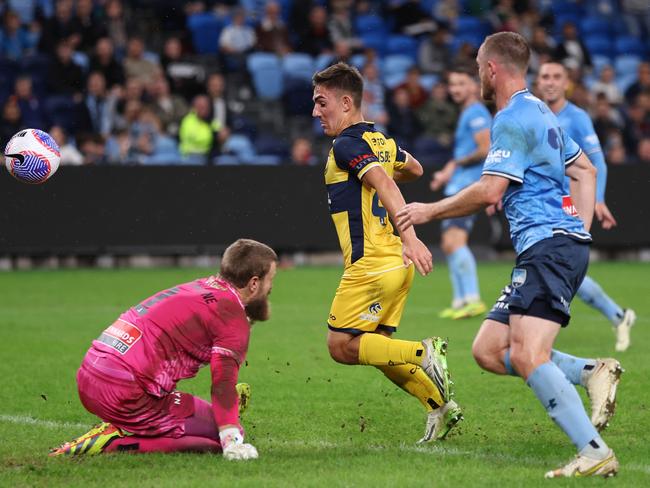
185,443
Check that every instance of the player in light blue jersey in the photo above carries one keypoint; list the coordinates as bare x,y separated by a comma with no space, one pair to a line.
552,83
529,157
471,144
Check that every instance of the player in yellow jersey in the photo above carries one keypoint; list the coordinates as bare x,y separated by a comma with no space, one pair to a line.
360,176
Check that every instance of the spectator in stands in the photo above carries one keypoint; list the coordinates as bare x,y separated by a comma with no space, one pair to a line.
417,94
636,14
606,84
637,123
434,54
31,108
301,152
447,11
466,55
402,122
93,149
615,152
272,34
572,48
90,28
11,121
64,76
643,151
70,155
410,19
168,107
373,104
605,118
503,16
118,28
314,37
153,145
119,147
135,63
216,90
184,76
98,109
104,61
64,26
438,116
197,135
341,27
642,82
542,48
236,41
15,41
579,94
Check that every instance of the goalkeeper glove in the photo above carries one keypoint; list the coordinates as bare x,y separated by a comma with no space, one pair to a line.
233,447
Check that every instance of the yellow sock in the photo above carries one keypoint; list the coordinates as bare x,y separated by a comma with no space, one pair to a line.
379,350
413,380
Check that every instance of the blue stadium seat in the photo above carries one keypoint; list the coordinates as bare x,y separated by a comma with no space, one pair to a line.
375,41
599,45
560,20
266,71
599,61
396,64
472,25
206,29
394,79
322,61
624,81
404,45
370,24
564,7
594,26
270,144
427,81
298,66
629,45
626,64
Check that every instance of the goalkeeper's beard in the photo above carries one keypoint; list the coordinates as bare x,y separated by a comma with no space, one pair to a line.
258,310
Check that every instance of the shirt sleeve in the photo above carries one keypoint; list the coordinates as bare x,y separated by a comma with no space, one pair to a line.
508,156
400,157
587,139
354,155
479,120
228,353
571,149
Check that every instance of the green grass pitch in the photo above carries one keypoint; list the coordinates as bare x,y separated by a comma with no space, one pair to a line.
314,422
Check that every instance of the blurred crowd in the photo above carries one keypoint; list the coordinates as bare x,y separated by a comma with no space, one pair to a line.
228,82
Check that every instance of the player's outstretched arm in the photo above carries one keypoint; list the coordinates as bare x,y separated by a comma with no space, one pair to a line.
583,188
487,191
410,171
391,198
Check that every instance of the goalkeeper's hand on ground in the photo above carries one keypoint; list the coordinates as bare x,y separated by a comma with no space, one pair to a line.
233,447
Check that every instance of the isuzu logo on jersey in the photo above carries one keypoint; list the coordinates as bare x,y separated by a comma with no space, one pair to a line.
120,336
497,155
568,206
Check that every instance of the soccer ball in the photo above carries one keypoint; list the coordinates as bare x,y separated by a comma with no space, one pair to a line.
32,156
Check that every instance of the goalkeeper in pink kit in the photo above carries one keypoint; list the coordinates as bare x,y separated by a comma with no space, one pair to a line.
128,376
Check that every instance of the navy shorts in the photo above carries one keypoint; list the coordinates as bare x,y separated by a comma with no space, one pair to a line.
464,223
544,280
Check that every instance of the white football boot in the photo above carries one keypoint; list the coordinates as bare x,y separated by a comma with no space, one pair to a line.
622,330
440,421
582,466
601,387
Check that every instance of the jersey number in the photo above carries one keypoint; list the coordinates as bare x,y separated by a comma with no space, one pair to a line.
377,210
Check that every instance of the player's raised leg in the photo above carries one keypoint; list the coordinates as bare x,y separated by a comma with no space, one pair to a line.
622,319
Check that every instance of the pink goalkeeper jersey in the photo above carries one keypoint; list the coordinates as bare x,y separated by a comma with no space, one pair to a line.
170,335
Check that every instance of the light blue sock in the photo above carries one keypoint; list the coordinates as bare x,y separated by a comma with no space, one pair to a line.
593,295
454,276
467,271
571,366
563,404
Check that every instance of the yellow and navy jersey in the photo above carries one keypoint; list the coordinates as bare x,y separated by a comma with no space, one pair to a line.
364,230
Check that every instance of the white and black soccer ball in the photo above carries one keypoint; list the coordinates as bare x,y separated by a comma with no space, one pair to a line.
32,156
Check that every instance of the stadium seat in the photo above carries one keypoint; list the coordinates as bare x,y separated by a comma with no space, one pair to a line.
241,147
566,7
322,61
626,64
599,61
427,81
624,81
403,45
266,72
376,42
394,79
270,144
472,25
599,45
629,45
595,26
205,28
396,64
370,24
298,66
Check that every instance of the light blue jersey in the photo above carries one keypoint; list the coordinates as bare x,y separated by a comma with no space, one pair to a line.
529,148
577,124
473,119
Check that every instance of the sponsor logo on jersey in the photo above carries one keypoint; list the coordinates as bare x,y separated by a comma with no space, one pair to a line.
518,277
568,206
121,336
360,161
497,155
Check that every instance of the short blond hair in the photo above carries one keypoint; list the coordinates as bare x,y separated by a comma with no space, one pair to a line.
511,48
